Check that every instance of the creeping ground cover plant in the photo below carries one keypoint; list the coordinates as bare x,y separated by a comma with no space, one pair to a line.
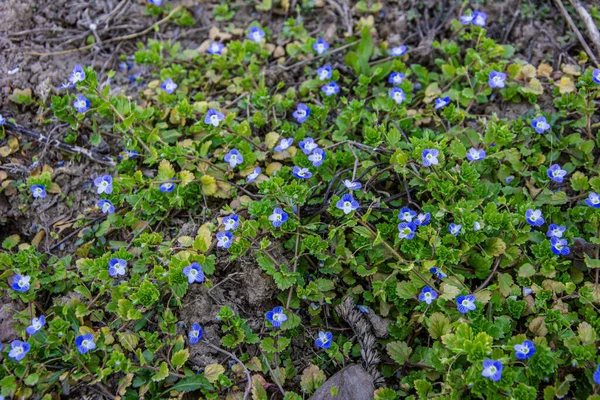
269,221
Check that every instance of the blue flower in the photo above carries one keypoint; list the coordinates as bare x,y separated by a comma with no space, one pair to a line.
234,158
423,219
301,173
324,73
560,247
397,94
479,18
475,154
466,303
330,89
526,291
81,104
215,48
317,157
253,175
106,206
524,350
320,46
406,230
66,85
128,154
36,325
2,120
168,86
593,200
556,231
396,78
441,102
324,340
476,226
276,317
467,18
428,295
534,217
284,144
347,204
351,185
38,191
194,273
224,239
256,34
157,3
85,343
398,51
496,79
166,187
363,309
213,117
104,184
430,157
454,229
77,75
492,369
556,173
438,273
540,124
195,334
406,214
301,113
18,350
308,145
596,76
21,283
596,375
116,267
231,222
509,179
278,217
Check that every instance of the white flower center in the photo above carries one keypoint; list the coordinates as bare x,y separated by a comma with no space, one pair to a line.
85,343
465,303
492,369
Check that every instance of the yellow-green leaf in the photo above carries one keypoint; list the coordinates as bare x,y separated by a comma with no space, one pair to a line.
179,358
209,185
165,171
213,371
186,177
162,374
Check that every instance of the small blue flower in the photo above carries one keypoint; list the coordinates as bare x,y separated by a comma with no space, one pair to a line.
215,48
406,214
320,46
195,334
560,247
301,173
116,267
397,94
398,51
317,157
438,273
596,76
284,144
363,309
540,124
166,187
278,217
479,18
351,185
234,157
324,73
213,117
492,369
454,229
253,175
534,217
169,86
556,173
467,18
428,295
527,291
106,206
77,75
38,191
231,222
85,343
423,219
593,200
36,325
396,78
509,179
406,230
194,273
596,375
224,239
21,283
256,34
330,89
476,226
466,303
430,157
308,145
18,350
496,79
475,154
441,102
81,104
2,120
347,204
524,350
276,317
129,154
156,3
324,340
302,112
556,231
66,85
104,184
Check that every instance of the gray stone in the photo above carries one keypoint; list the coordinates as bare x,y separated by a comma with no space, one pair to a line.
352,383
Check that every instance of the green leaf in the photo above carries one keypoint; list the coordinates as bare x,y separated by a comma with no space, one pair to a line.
591,263
11,242
399,351
438,325
526,270
162,374
579,181
179,358
312,378
191,384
